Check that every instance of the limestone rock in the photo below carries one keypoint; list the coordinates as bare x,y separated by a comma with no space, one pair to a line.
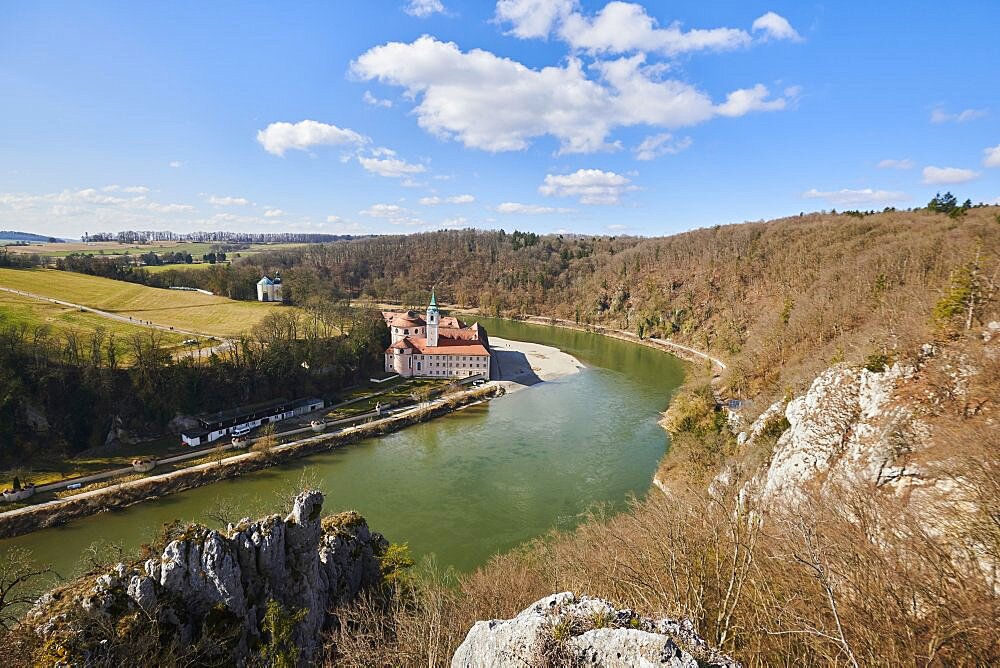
564,628
303,562
848,428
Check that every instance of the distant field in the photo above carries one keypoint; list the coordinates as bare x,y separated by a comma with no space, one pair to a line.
158,269
217,316
15,309
196,249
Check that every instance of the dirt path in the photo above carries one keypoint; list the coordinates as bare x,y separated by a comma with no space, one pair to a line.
223,345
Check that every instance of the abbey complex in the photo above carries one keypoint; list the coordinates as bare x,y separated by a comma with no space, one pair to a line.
435,346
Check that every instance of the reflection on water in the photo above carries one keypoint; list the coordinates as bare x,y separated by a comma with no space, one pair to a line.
462,487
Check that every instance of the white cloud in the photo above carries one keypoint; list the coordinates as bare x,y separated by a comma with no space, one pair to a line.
176,163
455,199
383,211
393,213
624,27
529,209
891,163
215,200
424,8
592,186
939,175
617,227
939,115
848,197
273,213
277,138
745,100
139,190
991,156
334,219
775,26
72,211
662,144
498,104
374,101
533,18
389,166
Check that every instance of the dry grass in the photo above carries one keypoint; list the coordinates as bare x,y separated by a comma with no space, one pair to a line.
194,311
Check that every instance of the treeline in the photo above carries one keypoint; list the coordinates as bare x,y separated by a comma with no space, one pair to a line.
778,300
236,281
61,394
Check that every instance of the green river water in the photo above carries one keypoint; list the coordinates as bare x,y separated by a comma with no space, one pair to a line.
462,487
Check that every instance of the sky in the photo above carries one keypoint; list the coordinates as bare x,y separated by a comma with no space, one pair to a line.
569,116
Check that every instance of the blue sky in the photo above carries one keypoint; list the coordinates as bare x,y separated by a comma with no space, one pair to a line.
550,115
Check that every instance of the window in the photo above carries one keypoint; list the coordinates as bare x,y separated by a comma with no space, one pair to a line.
406,331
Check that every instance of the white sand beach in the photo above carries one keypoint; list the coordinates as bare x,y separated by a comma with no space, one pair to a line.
521,364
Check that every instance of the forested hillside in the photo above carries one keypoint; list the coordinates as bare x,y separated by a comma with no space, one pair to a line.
778,300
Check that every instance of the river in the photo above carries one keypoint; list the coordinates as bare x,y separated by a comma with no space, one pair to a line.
462,487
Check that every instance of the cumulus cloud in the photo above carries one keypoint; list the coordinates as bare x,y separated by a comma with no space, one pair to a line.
626,27
939,115
942,175
848,197
383,211
385,163
592,186
775,26
278,137
176,163
890,163
529,209
273,213
745,100
215,200
455,199
662,144
424,8
498,104
374,101
991,156
531,19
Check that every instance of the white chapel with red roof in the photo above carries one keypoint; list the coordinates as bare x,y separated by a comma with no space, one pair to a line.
435,346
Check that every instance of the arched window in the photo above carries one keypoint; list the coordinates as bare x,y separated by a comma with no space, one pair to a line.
406,331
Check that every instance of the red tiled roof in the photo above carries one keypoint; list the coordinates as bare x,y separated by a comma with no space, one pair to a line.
449,346
403,320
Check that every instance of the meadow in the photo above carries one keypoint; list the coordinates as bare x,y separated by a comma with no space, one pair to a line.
31,313
216,316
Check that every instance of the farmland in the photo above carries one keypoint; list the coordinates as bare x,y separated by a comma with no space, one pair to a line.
112,248
194,311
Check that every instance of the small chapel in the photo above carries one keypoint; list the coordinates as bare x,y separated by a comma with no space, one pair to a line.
435,346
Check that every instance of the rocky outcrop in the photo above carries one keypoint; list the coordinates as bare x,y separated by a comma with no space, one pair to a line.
850,428
303,563
564,629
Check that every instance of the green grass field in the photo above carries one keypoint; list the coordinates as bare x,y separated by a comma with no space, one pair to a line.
158,269
217,316
18,310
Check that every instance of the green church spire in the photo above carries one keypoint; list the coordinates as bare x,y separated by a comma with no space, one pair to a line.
434,303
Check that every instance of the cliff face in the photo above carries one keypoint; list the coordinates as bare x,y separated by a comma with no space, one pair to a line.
896,432
564,629
257,581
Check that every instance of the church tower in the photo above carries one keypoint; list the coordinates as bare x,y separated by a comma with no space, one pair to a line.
432,321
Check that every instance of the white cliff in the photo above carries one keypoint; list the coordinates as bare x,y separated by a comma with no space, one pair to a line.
564,629
306,564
